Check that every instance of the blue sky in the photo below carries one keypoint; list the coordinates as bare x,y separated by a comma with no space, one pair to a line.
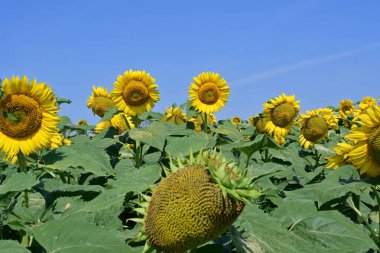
322,51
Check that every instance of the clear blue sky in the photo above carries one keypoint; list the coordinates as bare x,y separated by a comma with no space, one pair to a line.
320,50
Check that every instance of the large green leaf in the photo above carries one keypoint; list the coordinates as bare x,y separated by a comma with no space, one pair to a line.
180,146
332,230
74,235
290,212
263,233
340,182
18,182
84,153
136,180
10,246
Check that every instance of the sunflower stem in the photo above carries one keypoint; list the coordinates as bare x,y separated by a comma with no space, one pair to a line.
205,122
21,162
378,208
375,236
22,166
266,155
136,120
138,154
317,156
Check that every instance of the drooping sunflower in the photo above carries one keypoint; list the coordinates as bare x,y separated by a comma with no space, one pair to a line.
208,92
198,121
366,138
174,115
197,200
315,125
236,120
28,116
100,101
346,107
135,92
118,121
280,113
259,122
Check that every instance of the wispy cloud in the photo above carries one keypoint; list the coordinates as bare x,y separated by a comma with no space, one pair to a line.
304,64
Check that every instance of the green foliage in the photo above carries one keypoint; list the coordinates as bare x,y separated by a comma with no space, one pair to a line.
80,198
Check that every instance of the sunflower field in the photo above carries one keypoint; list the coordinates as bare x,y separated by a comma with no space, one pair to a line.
182,180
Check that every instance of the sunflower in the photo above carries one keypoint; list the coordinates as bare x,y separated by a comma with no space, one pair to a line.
33,119
208,92
82,122
367,102
236,120
280,114
57,140
341,155
135,92
259,122
100,101
198,121
315,125
118,121
346,107
366,138
174,115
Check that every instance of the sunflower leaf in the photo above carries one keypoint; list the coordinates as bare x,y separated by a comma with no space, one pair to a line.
18,182
11,246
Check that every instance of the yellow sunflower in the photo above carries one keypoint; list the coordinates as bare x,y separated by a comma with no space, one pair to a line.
236,120
135,92
346,107
341,156
280,114
174,115
118,121
315,125
208,92
364,104
100,101
366,138
82,122
57,140
33,119
198,121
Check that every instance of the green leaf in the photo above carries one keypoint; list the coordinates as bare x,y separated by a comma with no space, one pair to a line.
109,113
63,101
290,212
332,230
151,115
10,246
136,181
64,120
53,185
84,153
18,182
73,236
261,141
339,183
154,135
263,233
180,146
